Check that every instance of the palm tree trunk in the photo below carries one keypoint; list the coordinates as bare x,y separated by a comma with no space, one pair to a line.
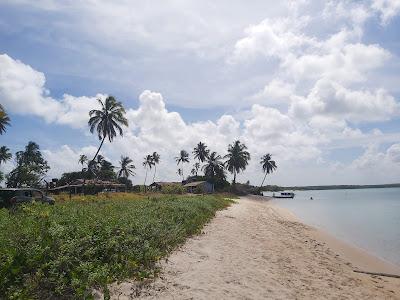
145,178
98,150
263,180
183,176
155,170
234,177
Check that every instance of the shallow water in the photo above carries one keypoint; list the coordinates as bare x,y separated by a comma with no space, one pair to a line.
367,218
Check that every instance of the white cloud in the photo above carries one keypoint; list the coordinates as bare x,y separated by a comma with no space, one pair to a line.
276,91
275,38
22,91
332,99
387,9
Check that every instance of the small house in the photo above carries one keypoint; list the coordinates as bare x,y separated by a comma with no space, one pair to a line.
199,187
158,186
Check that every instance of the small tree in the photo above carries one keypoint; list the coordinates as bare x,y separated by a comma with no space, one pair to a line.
30,169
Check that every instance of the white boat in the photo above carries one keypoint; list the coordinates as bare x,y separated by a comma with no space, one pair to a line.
283,195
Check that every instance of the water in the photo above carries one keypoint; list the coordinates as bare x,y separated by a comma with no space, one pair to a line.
367,218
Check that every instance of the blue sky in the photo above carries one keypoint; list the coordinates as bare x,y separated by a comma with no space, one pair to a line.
315,83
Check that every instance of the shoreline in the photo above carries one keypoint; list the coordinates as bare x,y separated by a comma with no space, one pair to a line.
256,250
360,258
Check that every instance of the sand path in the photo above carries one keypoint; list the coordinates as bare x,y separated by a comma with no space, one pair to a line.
253,251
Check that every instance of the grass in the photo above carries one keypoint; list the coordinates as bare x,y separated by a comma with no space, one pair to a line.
65,250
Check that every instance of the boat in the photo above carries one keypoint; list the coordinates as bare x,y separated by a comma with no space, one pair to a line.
283,195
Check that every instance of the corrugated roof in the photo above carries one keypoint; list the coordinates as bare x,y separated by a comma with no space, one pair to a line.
194,183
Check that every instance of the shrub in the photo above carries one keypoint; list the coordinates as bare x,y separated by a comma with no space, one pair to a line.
176,189
63,251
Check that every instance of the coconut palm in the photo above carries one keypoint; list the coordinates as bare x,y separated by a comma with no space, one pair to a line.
214,167
107,121
237,159
4,120
195,169
181,159
268,166
201,152
126,167
156,161
82,159
4,154
148,164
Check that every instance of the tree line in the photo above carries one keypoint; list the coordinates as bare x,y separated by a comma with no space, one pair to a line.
107,123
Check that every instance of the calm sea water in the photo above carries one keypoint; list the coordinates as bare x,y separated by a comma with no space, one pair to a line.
367,218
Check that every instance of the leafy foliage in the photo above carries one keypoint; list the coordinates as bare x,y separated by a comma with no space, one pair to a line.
5,154
31,167
65,250
4,120
107,121
237,158
201,152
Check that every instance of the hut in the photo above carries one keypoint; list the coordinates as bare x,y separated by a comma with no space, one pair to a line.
199,187
158,186
89,185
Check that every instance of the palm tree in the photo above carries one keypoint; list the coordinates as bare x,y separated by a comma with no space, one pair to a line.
195,169
181,159
214,167
126,167
4,154
108,120
201,152
148,164
237,159
4,120
156,161
268,166
82,159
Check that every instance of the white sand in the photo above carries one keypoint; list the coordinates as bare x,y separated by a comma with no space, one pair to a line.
255,250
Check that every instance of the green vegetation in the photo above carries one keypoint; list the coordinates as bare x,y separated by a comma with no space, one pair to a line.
65,250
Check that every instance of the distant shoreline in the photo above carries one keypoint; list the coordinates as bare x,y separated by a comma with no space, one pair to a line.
274,188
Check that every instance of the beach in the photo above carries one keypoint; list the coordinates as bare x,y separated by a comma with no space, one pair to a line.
257,250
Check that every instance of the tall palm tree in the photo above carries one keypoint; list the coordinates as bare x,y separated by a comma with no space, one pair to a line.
107,121
268,166
83,160
156,161
4,154
181,159
148,164
237,159
4,120
201,152
214,167
126,167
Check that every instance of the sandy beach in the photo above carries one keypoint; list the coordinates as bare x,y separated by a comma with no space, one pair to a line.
256,250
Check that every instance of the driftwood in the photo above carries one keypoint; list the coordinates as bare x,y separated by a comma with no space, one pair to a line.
378,274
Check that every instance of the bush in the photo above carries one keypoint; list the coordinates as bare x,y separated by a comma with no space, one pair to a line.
63,251
176,189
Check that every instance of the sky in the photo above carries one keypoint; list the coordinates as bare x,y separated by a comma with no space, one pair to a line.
314,83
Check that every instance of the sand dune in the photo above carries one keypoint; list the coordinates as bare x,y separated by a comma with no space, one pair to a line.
254,250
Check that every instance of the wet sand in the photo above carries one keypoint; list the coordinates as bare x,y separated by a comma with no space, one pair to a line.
256,250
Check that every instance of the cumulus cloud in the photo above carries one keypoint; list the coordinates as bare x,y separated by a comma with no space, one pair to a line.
22,91
329,98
